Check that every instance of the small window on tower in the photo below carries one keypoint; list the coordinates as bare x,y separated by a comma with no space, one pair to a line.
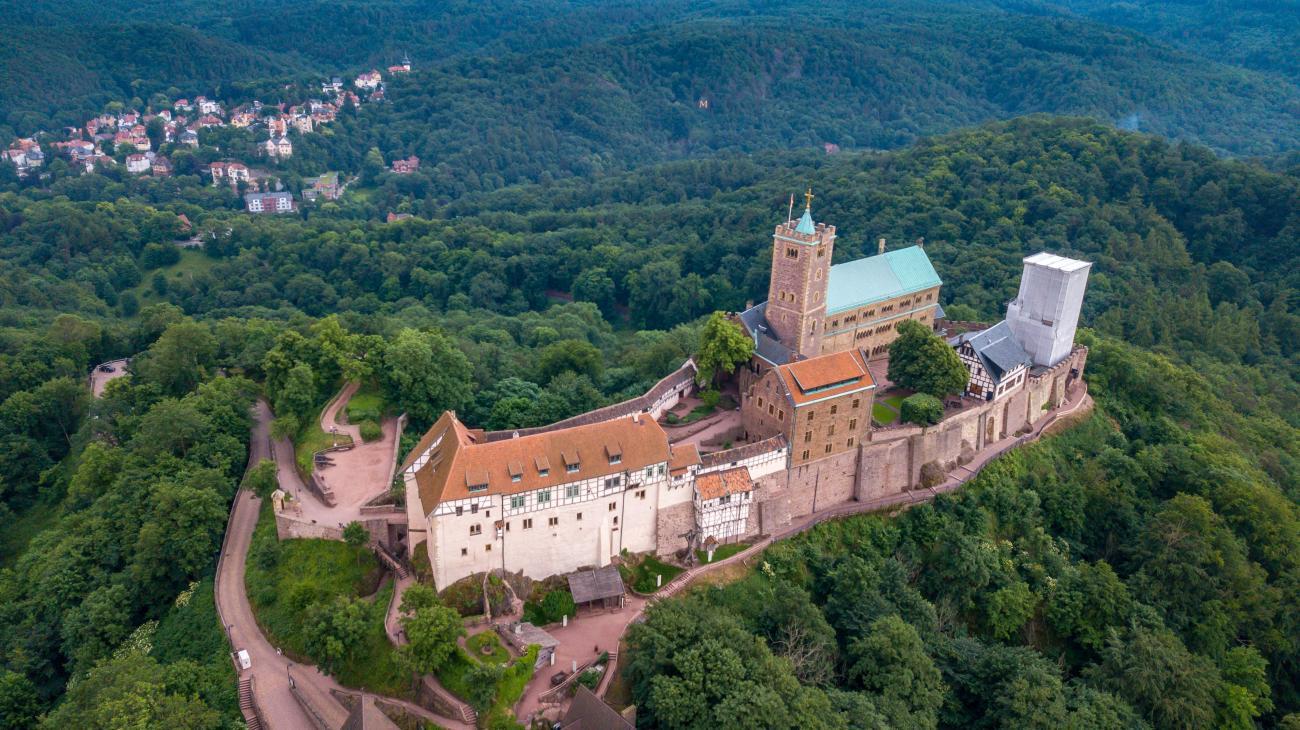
791,252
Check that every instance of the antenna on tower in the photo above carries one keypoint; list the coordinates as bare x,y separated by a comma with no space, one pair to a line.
789,217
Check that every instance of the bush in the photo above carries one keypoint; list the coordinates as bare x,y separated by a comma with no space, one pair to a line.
553,607
158,255
710,397
371,431
922,409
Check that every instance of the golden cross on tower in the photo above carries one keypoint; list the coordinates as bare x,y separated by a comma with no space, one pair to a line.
808,196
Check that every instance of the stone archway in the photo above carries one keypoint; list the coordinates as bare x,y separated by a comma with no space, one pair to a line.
990,429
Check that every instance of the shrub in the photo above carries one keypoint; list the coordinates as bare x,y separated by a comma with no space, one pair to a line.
370,431
553,607
590,678
710,397
922,409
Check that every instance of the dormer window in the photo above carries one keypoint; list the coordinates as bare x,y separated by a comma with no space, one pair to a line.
543,465
571,463
476,480
614,452
516,470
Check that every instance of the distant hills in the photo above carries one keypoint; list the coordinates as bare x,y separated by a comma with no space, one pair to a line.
573,86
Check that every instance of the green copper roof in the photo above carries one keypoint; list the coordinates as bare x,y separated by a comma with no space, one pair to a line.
893,273
806,223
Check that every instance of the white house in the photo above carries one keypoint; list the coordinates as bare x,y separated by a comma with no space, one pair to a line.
995,360
268,202
722,502
137,164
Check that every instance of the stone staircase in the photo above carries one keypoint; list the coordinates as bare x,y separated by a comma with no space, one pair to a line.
398,567
247,705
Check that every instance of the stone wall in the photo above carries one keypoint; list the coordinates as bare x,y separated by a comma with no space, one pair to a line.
672,526
288,527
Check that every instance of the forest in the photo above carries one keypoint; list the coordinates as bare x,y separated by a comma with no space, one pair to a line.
1136,571
510,101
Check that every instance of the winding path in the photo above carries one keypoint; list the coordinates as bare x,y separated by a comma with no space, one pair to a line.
277,706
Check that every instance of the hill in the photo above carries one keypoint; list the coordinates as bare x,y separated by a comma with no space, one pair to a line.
514,89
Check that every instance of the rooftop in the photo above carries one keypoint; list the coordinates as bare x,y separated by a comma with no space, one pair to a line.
596,585
462,463
717,484
589,712
997,348
826,376
1060,263
876,278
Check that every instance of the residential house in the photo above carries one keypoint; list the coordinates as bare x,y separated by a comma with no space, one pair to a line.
326,186
162,167
996,361
278,149
406,166
722,502
137,164
268,202
189,138
369,80
228,172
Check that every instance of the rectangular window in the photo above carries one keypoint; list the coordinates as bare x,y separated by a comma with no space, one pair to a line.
464,551
613,482
771,409
552,522
850,442
487,548
640,494
649,471
615,520
724,499
616,459
857,402
459,510
475,529
780,415
807,437
517,501
516,478
473,509
571,491
830,430
828,448
528,524
580,517
544,496
835,408
810,416
760,401
791,252
805,454
853,423
613,506
572,468
543,472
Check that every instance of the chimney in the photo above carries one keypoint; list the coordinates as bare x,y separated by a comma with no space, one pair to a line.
636,417
514,435
880,247
920,242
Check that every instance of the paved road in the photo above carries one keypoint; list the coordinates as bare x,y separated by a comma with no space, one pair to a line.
100,379
269,669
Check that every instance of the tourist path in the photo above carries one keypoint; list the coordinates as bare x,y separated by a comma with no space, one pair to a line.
99,379
277,707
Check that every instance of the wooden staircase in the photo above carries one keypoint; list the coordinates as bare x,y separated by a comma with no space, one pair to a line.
395,565
247,705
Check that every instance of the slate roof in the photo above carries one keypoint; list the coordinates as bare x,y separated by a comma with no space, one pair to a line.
767,347
997,349
875,278
595,585
589,712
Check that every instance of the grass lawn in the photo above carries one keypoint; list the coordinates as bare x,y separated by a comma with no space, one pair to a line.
454,676
19,529
286,578
496,654
721,553
311,439
642,576
883,414
366,404
193,262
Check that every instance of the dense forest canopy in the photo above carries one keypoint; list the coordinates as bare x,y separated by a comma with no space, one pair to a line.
578,214
628,87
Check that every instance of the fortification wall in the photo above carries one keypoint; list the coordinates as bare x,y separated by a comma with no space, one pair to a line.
288,527
672,525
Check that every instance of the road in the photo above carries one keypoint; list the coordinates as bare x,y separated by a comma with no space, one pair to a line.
269,669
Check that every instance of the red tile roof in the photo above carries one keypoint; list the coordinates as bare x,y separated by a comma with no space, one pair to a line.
826,376
717,484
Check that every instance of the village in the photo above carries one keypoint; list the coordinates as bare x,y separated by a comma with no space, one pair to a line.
138,141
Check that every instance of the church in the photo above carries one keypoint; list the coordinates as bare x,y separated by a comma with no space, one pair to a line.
814,308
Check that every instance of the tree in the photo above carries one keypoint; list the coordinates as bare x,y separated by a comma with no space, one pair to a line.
1153,671
19,704
133,691
355,535
922,409
262,479
425,374
890,662
178,361
333,631
575,356
595,286
92,630
921,361
431,632
722,347
1087,603
298,395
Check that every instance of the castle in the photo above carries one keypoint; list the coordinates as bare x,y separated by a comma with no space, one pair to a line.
576,494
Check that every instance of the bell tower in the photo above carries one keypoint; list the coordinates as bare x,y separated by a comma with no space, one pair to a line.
796,294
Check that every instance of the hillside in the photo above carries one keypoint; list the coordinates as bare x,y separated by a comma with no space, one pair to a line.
508,101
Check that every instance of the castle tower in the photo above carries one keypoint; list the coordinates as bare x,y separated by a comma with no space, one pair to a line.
1045,313
796,294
